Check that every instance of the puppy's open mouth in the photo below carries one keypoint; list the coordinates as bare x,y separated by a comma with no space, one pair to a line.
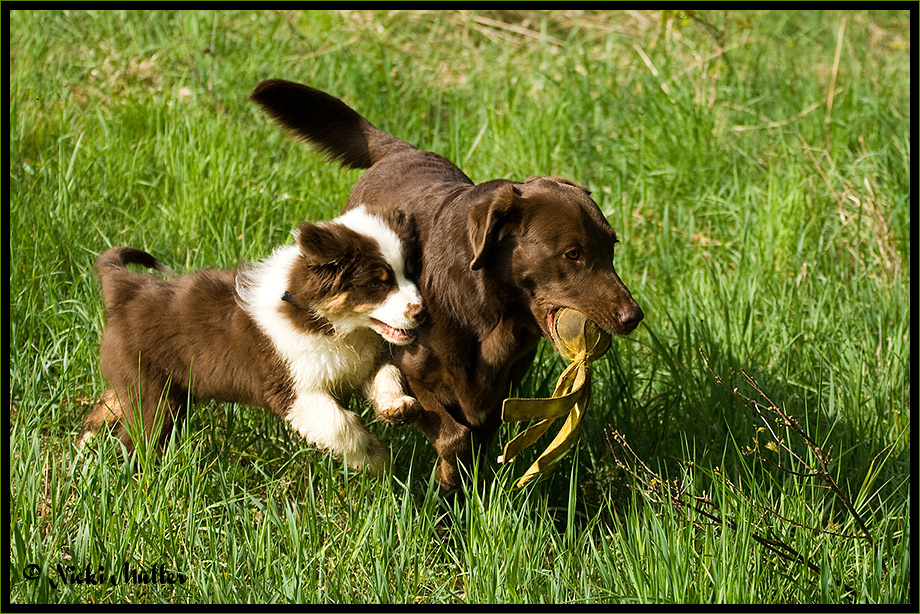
396,336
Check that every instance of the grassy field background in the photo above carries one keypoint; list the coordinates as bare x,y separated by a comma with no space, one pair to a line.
756,166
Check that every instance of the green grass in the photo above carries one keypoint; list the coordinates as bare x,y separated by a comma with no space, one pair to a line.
762,221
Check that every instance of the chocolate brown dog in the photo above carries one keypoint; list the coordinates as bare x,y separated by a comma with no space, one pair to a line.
498,260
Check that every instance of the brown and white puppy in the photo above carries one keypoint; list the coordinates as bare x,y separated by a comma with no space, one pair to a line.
499,259
292,334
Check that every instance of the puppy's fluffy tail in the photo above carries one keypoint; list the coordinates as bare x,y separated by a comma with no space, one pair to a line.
327,122
117,258
113,262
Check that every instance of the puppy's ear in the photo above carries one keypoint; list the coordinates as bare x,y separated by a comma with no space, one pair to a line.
488,217
321,245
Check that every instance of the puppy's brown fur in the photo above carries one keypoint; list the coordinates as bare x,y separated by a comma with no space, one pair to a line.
498,260
143,314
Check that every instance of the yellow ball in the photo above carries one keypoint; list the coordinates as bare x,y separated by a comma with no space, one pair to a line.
574,335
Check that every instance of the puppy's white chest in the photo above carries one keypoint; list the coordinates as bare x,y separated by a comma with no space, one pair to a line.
341,363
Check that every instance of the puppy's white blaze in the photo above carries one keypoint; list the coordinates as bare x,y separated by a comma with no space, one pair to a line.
359,220
394,310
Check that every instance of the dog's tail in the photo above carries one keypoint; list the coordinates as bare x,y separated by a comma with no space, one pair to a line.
117,258
327,122
114,261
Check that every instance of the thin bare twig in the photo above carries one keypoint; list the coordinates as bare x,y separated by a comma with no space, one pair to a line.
783,122
761,409
702,511
662,492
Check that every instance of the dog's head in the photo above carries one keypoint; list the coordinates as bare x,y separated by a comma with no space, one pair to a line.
547,237
354,272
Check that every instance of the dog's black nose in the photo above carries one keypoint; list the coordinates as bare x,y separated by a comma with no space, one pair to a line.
630,316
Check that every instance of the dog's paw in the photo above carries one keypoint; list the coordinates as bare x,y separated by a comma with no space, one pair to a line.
399,410
106,411
377,459
84,438
368,454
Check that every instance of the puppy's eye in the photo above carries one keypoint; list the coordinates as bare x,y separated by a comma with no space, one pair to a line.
573,254
381,276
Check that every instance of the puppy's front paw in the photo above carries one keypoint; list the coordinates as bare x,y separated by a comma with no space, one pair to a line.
400,410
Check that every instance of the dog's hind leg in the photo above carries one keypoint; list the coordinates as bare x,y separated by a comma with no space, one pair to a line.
329,426
163,405
152,419
106,412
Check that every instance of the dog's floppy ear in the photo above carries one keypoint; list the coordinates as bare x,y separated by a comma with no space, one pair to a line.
488,217
321,245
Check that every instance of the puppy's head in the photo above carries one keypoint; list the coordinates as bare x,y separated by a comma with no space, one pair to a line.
352,272
547,237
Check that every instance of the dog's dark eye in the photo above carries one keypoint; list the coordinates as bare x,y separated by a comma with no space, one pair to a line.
379,280
573,254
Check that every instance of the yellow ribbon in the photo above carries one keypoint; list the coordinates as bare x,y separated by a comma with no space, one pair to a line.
577,339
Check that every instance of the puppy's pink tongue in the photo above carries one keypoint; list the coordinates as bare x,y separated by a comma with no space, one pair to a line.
393,334
399,335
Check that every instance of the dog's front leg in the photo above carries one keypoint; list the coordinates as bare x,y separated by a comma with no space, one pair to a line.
387,393
323,422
